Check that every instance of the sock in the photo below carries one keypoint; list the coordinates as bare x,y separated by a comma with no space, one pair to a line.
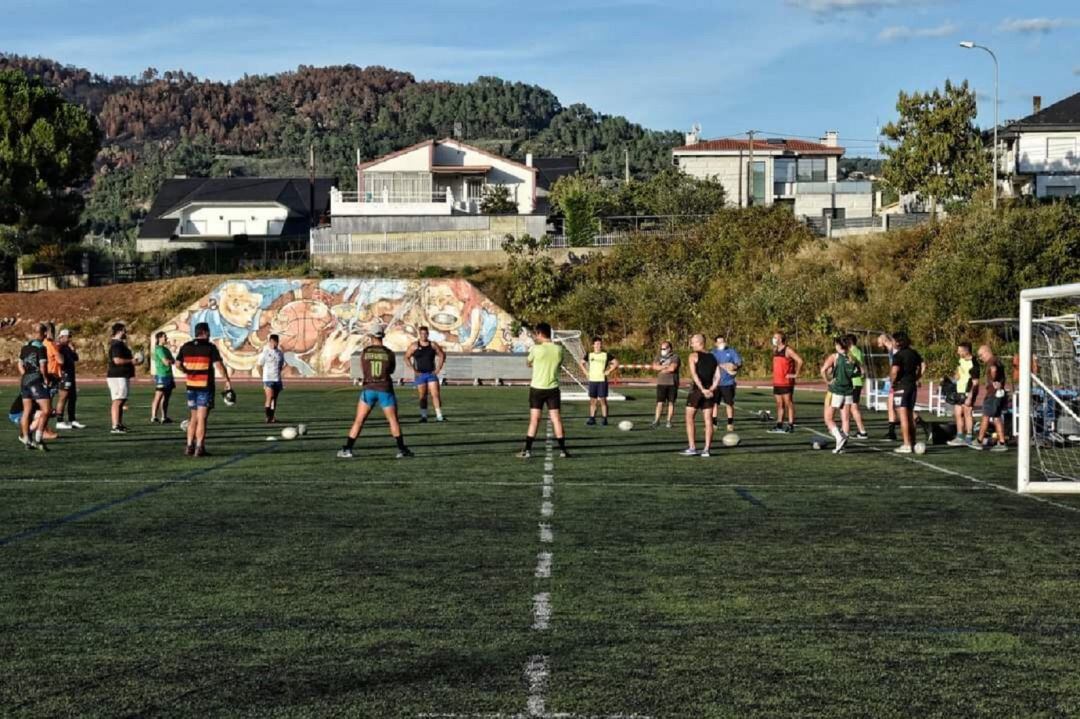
400,439
349,442
423,412
529,443
562,443
837,433
423,406
269,412
438,413
38,433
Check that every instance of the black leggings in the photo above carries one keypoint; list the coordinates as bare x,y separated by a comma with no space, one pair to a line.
72,396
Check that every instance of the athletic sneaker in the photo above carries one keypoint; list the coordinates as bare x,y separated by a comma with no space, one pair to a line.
423,420
778,429
200,451
705,453
63,425
153,420
956,442
591,421
117,430
972,444
689,452
862,435
841,442
903,449
1000,448
653,425
563,454
405,452
344,453
167,420
667,425
525,454
189,451
77,425
730,427
604,421
440,418
789,429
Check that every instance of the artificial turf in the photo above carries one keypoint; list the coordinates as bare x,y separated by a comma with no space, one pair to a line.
770,580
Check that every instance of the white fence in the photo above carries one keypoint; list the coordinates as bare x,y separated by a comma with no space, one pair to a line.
325,243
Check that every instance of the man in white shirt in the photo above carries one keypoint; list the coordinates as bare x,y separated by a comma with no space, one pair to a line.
272,361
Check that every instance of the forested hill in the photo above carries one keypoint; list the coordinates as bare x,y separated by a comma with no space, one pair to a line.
172,122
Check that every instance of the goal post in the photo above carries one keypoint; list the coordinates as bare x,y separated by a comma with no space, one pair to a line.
1048,415
572,381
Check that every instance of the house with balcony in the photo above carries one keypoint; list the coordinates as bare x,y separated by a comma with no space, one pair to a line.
196,212
1042,151
777,170
430,196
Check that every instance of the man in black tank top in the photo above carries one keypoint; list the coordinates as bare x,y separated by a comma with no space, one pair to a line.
704,379
427,359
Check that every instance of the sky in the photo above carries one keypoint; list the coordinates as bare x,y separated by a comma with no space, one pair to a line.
780,67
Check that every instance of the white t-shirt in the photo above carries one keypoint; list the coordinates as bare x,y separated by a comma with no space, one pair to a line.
272,362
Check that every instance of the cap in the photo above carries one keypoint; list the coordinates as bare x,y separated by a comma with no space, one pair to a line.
64,333
378,333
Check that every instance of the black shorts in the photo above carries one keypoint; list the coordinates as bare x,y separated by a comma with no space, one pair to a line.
598,390
856,394
36,391
994,407
727,394
667,392
539,398
904,398
698,400
790,389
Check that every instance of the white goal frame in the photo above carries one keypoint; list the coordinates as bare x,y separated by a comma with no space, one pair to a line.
1023,458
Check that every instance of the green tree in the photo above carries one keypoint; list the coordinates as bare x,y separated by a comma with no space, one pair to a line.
533,278
938,151
581,199
497,201
673,192
47,151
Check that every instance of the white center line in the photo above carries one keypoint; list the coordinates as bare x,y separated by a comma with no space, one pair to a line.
536,674
547,509
543,565
549,490
547,535
542,611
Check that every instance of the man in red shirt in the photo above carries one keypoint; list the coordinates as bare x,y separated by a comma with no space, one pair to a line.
786,365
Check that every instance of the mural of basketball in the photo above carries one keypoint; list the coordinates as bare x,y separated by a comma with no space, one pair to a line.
323,322
301,324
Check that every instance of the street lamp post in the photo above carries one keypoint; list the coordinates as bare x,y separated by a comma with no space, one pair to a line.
969,45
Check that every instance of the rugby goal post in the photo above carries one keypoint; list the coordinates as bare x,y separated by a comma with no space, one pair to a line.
573,382
1048,415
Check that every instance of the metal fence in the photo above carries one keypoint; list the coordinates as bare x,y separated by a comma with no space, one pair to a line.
328,243
824,227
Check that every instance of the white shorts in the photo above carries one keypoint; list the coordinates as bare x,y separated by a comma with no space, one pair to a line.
118,387
839,400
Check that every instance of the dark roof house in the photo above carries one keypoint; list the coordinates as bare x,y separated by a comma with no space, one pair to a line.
191,212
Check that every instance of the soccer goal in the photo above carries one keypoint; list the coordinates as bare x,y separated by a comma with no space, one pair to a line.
1048,411
573,384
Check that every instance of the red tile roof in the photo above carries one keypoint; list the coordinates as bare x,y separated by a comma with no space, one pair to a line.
731,145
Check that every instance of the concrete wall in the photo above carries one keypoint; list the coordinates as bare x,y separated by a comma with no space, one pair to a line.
724,169
412,261
256,219
1039,152
854,204
440,226
1053,185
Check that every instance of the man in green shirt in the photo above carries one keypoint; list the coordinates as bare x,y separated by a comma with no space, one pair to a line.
598,365
164,384
546,360
839,371
856,354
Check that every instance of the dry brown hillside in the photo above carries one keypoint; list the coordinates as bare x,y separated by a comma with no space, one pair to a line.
89,313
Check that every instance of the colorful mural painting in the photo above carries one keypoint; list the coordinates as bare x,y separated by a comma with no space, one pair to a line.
321,323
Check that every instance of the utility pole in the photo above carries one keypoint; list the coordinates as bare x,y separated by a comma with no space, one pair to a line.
311,183
626,170
750,174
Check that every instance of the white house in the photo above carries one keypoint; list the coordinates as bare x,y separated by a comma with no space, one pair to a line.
1042,151
785,171
193,212
435,177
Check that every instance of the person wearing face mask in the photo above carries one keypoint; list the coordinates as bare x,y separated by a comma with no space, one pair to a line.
729,361
666,367
786,365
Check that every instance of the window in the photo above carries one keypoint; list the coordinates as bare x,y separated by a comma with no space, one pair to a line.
759,183
275,227
813,169
784,170
397,186
475,189
1060,191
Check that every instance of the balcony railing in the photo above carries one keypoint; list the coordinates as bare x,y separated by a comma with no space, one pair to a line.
837,188
395,198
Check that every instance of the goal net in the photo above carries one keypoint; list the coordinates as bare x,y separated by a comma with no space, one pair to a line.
573,382
1048,407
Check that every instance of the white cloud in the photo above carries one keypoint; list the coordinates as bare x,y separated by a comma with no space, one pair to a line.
833,7
903,32
1035,24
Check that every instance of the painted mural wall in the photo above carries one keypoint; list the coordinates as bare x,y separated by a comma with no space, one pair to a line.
321,323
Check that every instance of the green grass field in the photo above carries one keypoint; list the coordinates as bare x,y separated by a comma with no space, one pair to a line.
273,579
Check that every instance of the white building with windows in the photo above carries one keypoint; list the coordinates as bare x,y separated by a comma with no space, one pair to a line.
1042,151
786,171
194,212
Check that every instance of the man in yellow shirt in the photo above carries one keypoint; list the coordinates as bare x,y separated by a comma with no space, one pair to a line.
598,365
546,360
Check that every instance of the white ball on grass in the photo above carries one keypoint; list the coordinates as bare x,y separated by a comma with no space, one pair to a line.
731,440
301,429
184,424
288,433
626,425
817,444
920,448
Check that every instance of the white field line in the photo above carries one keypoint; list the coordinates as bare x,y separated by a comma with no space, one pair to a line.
548,490
536,674
542,612
547,509
981,482
549,466
543,565
547,535
549,478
